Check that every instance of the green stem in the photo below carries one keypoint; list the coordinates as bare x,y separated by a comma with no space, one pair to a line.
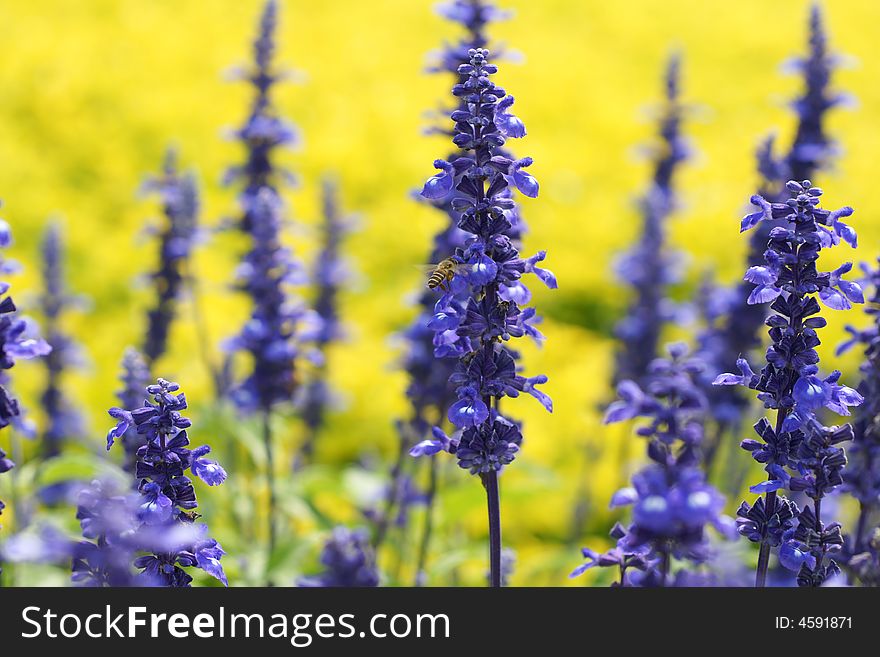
270,479
425,542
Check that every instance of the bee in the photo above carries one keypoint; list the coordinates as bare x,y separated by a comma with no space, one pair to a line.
190,517
442,274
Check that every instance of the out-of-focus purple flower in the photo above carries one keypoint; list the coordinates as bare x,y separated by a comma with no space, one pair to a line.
63,419
623,556
40,544
650,266
672,503
330,272
180,205
862,474
279,323
348,561
812,148
109,525
264,131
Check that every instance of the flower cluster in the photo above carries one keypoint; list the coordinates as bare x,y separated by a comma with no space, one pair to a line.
180,205
480,310
672,504
790,383
63,418
279,323
167,496
109,523
348,562
650,267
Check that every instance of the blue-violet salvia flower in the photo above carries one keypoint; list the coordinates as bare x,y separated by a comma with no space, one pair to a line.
811,151
796,450
180,206
476,315
672,503
862,474
167,496
279,323
330,273
649,268
429,390
63,420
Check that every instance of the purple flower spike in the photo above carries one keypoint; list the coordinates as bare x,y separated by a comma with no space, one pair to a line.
796,450
164,527
672,504
274,336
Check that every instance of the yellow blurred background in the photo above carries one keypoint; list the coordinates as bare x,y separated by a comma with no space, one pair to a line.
92,93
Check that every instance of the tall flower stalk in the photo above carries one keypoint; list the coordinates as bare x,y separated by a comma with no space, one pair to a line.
329,274
650,267
796,450
63,420
278,322
429,390
167,496
180,206
478,312
672,504
810,152
862,475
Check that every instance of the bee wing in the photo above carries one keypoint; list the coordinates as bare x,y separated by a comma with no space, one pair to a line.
428,269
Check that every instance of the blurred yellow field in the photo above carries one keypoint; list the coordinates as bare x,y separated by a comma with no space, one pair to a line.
92,94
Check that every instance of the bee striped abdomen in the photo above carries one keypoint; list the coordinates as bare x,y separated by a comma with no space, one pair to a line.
442,275
436,279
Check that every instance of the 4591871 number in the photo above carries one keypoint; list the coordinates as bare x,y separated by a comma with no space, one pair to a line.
814,623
